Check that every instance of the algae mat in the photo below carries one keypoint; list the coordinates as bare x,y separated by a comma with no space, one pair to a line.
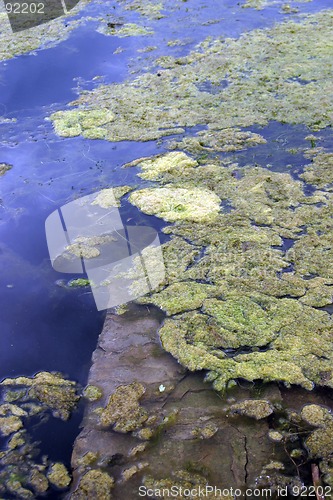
239,304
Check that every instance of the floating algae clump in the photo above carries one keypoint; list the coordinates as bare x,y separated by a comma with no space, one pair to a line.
254,408
88,123
123,410
23,472
58,475
282,73
153,169
94,484
4,167
320,171
111,197
10,424
174,204
92,393
51,390
86,247
240,305
226,140
42,36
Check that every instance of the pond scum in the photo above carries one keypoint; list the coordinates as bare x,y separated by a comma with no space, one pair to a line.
237,304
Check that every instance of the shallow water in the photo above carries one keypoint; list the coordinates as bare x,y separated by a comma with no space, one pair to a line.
44,326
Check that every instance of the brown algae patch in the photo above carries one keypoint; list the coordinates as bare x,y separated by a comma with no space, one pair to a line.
283,73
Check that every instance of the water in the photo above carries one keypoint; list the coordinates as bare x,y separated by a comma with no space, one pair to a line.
44,326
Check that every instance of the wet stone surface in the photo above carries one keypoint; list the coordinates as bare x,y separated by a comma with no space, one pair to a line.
157,422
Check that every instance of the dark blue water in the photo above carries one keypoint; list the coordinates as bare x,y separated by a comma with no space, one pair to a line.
44,326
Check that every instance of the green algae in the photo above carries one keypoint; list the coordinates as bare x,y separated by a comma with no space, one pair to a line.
123,410
268,78
320,171
92,393
10,424
87,246
4,167
73,123
174,204
50,390
58,475
23,474
253,408
94,484
151,10
234,281
173,163
180,297
79,282
225,140
44,35
110,197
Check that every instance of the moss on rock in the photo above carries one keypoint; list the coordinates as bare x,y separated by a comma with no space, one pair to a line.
58,475
94,484
253,408
123,410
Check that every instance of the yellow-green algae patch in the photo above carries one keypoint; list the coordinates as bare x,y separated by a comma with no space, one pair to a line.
51,390
320,442
88,123
173,163
282,73
225,140
253,408
94,484
320,171
175,203
110,197
58,475
87,247
123,410
4,167
232,308
22,473
149,9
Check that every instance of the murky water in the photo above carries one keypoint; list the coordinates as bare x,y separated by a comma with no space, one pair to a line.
44,326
